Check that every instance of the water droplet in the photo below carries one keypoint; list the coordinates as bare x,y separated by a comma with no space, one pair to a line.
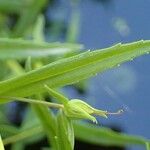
118,65
131,59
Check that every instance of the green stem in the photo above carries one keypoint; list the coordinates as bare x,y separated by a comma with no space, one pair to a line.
33,101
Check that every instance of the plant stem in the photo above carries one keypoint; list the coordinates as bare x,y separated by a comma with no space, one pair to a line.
34,101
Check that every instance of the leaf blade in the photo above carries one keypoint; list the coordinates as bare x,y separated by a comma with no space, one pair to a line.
105,136
73,69
21,49
1,144
65,132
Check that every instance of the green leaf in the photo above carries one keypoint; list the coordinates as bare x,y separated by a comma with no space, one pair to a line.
1,144
18,146
28,16
38,31
105,136
73,69
3,117
47,121
65,132
73,27
8,130
21,49
23,135
12,134
13,6
28,124
98,135
147,146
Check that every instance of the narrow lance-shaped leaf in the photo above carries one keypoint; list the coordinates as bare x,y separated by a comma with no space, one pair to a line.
7,6
21,49
65,132
24,135
147,145
73,69
28,17
38,31
7,130
105,136
1,144
48,122
98,135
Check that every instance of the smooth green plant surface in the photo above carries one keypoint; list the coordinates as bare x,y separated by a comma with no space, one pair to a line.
1,144
37,79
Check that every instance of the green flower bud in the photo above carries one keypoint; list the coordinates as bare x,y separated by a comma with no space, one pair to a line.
76,108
